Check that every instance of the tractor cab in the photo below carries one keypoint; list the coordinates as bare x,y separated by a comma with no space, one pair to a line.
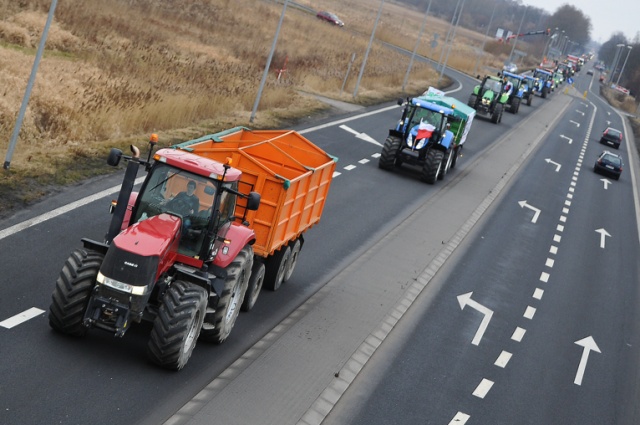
423,121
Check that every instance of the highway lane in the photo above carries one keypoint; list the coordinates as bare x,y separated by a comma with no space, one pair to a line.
561,342
51,378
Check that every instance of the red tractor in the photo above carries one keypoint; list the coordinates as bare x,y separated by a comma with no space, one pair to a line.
184,266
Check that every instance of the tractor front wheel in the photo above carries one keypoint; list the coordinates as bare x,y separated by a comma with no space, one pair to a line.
472,101
515,105
432,166
177,325
73,290
496,117
389,153
218,324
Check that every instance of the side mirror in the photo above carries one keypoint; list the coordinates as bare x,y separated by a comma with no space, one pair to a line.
400,102
253,201
114,157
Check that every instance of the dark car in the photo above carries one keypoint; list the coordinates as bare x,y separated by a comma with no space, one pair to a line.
330,17
609,163
611,136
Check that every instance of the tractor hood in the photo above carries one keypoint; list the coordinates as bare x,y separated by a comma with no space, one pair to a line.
151,237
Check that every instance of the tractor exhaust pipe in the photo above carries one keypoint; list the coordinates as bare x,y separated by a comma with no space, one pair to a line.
125,191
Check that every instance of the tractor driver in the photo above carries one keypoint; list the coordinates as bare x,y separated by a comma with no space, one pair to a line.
508,86
186,202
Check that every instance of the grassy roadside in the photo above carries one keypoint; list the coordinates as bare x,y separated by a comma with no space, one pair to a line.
114,72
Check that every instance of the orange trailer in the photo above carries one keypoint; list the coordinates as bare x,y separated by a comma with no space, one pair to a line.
293,177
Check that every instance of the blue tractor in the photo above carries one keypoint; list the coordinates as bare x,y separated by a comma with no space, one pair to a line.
429,135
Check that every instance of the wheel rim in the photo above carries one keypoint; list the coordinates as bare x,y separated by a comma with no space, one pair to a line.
235,300
191,335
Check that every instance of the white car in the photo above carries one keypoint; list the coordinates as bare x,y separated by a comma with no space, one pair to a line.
510,67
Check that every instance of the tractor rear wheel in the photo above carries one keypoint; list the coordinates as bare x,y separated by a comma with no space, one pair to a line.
177,325
529,99
432,166
545,90
254,286
389,152
218,325
73,290
276,268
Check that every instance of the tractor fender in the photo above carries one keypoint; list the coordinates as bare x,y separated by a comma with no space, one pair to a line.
237,237
447,140
504,98
476,90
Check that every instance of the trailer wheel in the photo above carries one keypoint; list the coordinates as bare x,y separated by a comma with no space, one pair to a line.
276,267
293,259
73,290
389,153
177,325
231,299
432,166
255,285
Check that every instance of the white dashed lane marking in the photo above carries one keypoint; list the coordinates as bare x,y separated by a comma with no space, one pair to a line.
21,318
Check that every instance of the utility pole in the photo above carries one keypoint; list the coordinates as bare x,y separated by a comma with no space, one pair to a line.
27,93
366,55
415,49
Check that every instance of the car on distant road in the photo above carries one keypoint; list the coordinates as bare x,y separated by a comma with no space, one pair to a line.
610,164
611,136
510,67
589,71
330,17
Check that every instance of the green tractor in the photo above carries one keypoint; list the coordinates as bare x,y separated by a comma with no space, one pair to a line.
489,98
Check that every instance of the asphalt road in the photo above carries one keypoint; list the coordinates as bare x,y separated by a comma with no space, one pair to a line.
48,378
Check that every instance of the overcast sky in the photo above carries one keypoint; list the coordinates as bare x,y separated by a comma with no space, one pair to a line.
607,16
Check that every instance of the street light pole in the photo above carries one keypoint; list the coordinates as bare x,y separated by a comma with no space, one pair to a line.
625,62
515,41
615,62
415,49
453,35
484,41
366,55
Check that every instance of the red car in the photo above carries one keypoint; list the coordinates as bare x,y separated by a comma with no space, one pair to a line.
611,136
330,17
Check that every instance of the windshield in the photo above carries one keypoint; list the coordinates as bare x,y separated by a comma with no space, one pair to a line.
181,193
427,116
493,85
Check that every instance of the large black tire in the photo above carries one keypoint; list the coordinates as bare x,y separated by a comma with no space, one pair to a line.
455,154
545,90
432,166
296,245
472,101
73,290
254,286
446,160
529,99
177,325
515,105
220,319
276,268
496,117
389,153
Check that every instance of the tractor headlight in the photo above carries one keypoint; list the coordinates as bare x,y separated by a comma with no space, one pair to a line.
121,286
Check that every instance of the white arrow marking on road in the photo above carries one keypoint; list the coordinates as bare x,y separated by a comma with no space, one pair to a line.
603,234
606,183
574,122
580,112
568,138
549,161
361,136
465,299
589,344
523,204
608,123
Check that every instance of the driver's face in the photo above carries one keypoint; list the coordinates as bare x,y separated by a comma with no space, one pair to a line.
191,189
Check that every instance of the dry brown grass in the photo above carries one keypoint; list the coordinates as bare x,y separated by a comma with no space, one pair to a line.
115,71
